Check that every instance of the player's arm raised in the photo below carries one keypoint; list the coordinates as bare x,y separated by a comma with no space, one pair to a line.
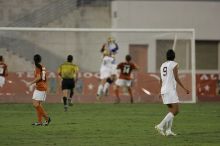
175,72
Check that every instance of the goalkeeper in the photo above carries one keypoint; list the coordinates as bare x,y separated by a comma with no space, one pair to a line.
112,47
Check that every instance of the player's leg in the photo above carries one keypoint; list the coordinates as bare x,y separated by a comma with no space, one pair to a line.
38,97
65,95
128,85
131,94
117,93
44,114
70,97
108,82
118,83
65,90
174,109
103,76
162,126
100,89
36,105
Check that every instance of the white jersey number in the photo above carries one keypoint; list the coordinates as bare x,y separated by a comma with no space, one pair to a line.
126,69
43,77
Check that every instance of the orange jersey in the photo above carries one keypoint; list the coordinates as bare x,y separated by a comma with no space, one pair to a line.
125,70
41,85
3,68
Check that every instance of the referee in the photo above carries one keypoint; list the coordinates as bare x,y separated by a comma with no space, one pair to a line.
69,75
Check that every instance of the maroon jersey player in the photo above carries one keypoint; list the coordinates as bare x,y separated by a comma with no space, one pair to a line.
124,79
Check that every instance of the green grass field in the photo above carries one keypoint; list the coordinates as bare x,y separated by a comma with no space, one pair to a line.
109,125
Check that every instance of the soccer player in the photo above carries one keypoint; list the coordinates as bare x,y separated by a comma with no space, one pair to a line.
124,79
169,78
112,47
105,73
39,94
3,71
69,75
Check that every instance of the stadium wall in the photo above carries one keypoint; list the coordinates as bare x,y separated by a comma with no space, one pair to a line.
16,90
203,16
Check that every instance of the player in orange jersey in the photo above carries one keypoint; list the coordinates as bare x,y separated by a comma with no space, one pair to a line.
3,71
39,94
124,79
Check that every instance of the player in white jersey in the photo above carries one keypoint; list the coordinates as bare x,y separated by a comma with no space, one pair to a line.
112,47
169,78
105,73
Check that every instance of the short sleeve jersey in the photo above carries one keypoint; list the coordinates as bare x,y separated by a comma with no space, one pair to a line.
3,68
167,76
68,70
125,70
41,85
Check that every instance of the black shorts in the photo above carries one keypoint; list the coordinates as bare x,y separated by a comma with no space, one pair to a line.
68,84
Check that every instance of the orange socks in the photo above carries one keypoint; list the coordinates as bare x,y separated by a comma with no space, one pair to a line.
41,113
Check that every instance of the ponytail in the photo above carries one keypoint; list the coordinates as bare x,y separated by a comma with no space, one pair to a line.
37,60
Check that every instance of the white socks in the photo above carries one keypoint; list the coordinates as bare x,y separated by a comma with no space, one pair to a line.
106,86
167,121
103,89
100,90
169,125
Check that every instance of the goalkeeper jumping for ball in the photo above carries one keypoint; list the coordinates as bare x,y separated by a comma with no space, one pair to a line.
108,71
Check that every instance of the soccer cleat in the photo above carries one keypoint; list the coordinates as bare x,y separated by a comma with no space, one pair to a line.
70,102
65,108
170,133
36,124
160,130
46,123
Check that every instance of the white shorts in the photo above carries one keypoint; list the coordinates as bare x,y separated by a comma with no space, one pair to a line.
2,81
39,95
170,97
122,82
105,74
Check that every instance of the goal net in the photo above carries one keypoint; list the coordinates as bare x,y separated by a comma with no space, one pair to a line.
146,46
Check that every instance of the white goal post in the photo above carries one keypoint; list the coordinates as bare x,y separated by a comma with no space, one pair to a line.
173,37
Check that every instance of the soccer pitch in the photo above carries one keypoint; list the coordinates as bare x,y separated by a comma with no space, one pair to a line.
109,125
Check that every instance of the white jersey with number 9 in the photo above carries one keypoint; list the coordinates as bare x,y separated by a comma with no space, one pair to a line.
167,77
